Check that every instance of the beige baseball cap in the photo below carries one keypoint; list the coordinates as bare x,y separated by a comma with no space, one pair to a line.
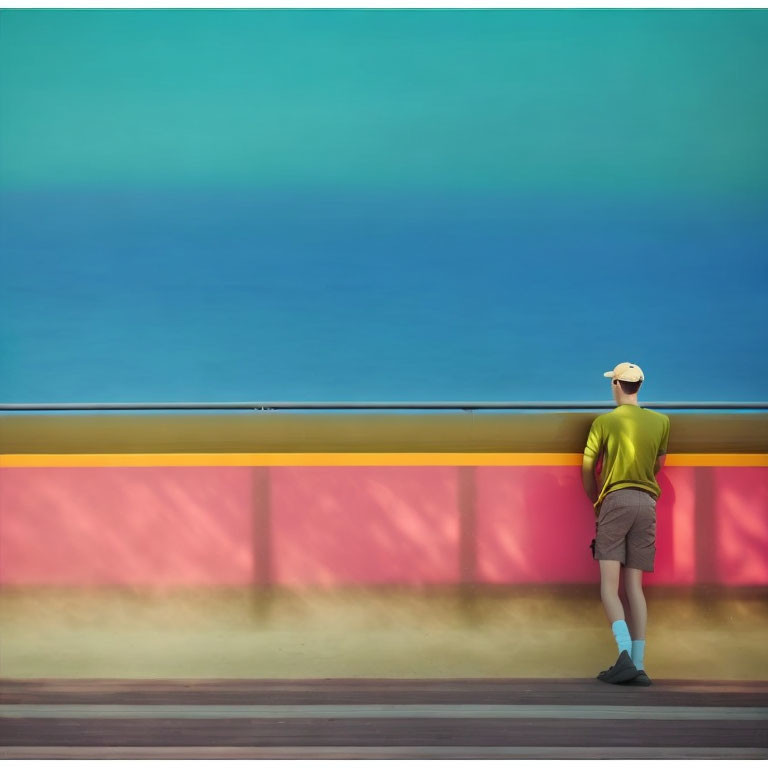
626,372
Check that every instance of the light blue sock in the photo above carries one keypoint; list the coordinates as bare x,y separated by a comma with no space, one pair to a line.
621,633
638,649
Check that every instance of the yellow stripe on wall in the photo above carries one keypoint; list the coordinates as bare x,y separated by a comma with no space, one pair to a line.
352,459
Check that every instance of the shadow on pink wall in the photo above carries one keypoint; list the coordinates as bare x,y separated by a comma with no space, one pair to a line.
327,526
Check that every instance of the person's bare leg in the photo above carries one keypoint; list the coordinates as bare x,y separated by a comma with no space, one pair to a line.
614,610
624,599
609,590
638,610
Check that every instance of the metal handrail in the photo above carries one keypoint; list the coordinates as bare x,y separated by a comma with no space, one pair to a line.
366,406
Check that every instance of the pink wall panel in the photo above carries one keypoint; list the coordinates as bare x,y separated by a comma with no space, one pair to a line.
534,524
132,525
740,510
367,525
333,525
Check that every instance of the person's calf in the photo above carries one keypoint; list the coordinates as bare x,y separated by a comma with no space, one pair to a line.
614,610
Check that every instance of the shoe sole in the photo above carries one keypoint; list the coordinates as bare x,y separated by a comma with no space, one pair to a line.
624,676
641,681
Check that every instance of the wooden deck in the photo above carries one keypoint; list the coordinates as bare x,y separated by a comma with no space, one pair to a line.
381,718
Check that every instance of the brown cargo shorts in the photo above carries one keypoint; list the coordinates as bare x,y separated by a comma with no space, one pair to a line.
626,528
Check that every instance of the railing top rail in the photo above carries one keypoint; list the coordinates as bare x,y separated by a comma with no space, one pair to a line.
331,406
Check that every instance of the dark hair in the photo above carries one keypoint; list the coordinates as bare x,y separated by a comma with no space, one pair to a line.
629,387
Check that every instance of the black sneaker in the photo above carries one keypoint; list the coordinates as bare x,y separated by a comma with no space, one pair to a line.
621,672
641,679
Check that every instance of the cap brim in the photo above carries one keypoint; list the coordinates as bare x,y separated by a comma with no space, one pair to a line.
608,374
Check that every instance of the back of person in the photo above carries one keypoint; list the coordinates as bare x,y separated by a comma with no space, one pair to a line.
630,438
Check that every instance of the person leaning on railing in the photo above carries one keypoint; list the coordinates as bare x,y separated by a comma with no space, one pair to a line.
633,443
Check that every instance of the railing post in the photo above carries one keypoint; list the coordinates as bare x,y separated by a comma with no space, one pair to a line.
467,537
262,540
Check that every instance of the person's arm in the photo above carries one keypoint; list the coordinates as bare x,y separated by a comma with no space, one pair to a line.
591,452
662,452
588,478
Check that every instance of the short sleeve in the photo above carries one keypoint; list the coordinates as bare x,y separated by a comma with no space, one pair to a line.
594,440
663,445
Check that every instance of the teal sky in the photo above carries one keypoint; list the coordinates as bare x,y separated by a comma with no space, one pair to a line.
210,205
535,101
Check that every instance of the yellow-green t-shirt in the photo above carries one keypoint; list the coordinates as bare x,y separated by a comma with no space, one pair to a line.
630,438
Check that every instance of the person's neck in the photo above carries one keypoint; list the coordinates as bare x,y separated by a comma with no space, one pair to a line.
628,402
